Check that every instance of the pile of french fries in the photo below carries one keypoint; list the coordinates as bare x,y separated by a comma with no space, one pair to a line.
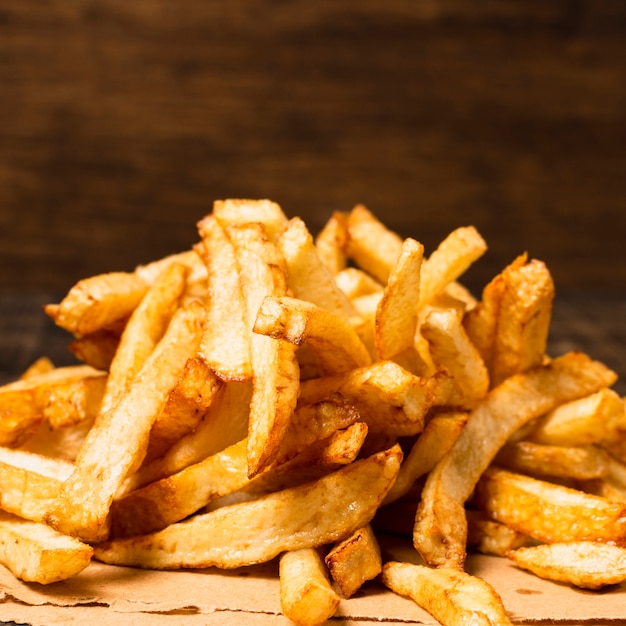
268,394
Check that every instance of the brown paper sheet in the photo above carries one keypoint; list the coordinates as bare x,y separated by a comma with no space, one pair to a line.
111,596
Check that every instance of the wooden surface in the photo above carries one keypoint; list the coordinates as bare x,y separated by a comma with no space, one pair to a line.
122,121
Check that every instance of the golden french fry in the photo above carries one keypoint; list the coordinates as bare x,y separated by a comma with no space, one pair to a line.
449,261
451,349
586,564
541,460
34,552
356,283
440,432
336,345
98,348
370,244
187,403
58,443
239,212
548,512
452,597
226,342
116,444
305,516
307,276
144,329
331,242
41,366
306,595
440,526
354,561
396,312
276,375
30,482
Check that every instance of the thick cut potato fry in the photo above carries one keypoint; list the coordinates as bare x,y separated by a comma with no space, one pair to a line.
586,564
188,401
42,365
449,261
388,398
580,422
306,516
370,244
450,348
224,424
331,242
239,212
549,512
306,595
23,402
34,552
30,482
98,302
452,597
396,312
354,561
144,329
226,342
523,321
336,345
356,283
189,258
307,276
171,499
117,442
58,443
96,349
440,525
535,459
276,374
440,432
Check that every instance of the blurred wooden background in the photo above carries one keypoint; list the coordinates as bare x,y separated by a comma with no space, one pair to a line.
122,121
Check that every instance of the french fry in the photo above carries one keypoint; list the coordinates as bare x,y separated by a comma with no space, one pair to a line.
487,536
440,526
548,512
305,516
116,444
336,345
354,561
238,212
396,312
330,242
226,341
35,552
306,595
585,564
449,595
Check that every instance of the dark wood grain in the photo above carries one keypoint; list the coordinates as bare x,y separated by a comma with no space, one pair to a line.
123,121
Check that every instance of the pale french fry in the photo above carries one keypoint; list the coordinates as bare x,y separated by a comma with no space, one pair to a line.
306,595
355,283
370,244
144,329
336,345
440,526
354,561
34,552
306,516
116,444
548,512
396,312
276,375
58,443
331,242
450,596
225,345
238,212
586,564
307,276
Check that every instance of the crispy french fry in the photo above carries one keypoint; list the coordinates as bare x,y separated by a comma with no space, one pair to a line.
331,242
450,596
238,212
306,595
116,444
487,536
259,530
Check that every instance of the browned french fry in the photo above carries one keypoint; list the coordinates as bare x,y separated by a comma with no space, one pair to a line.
331,242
